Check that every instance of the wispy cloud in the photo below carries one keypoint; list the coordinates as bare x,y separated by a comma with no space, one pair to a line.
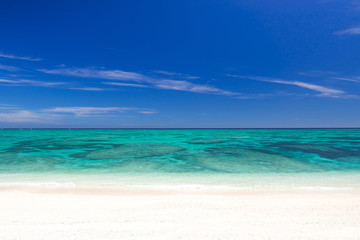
175,74
325,91
9,106
9,68
126,84
96,73
91,111
317,73
190,87
89,89
178,86
142,81
346,79
25,82
67,85
148,112
10,113
165,72
349,31
11,56
87,111
19,116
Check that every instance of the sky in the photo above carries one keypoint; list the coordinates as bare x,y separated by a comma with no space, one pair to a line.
180,64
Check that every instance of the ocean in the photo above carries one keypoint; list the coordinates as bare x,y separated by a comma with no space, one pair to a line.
319,158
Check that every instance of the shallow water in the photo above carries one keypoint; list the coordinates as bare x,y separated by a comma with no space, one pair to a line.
179,152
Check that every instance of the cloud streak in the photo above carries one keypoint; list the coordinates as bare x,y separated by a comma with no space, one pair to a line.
20,116
89,89
133,79
97,73
324,91
349,31
175,74
317,73
25,82
88,111
346,79
11,56
9,68
126,84
16,114
178,86
190,87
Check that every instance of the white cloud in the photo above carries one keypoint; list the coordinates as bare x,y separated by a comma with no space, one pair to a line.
9,113
7,81
349,31
88,89
190,87
190,77
148,112
175,74
317,73
24,82
87,111
96,73
126,84
177,85
165,72
9,107
346,79
313,87
325,91
19,116
19,57
91,111
9,68
143,81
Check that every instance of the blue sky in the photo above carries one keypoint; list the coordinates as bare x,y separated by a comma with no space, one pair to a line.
181,64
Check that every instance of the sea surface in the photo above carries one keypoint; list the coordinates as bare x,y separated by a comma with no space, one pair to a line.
237,157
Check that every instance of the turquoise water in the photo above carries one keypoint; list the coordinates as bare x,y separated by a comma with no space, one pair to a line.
195,152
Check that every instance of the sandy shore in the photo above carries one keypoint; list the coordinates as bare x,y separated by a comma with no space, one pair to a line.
173,213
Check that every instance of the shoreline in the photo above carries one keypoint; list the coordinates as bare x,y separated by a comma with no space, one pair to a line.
316,180
141,190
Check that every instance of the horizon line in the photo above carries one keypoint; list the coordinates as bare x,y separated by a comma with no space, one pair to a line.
175,128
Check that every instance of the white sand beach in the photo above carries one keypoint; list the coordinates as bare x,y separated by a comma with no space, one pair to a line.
29,212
